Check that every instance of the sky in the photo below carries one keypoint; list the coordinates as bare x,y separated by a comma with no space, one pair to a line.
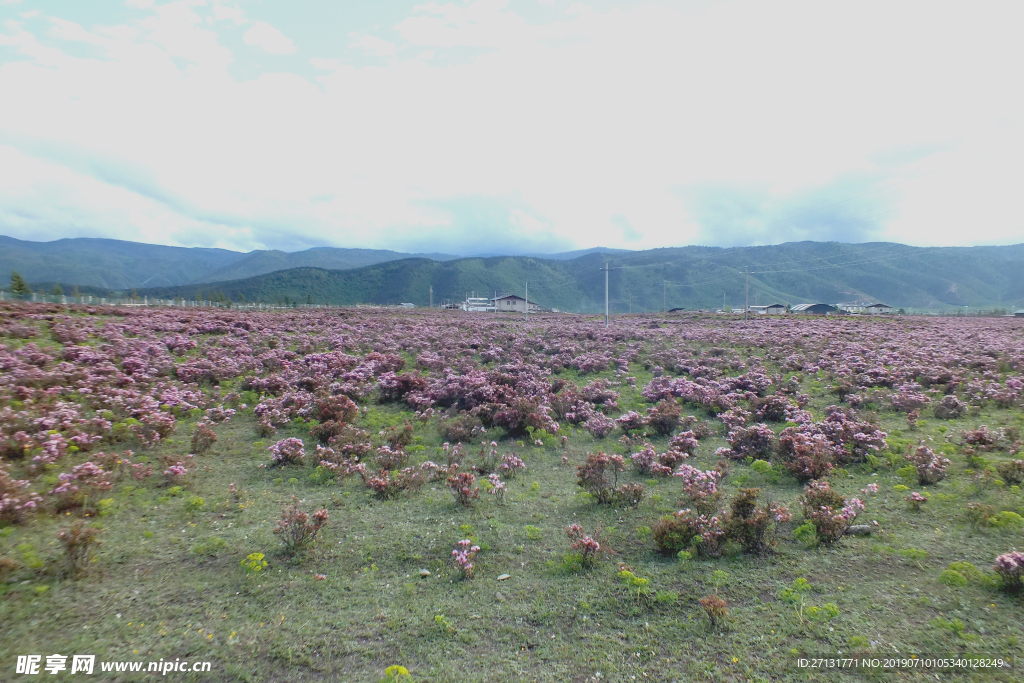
511,126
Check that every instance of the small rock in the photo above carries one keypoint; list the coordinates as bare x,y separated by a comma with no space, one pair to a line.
499,596
424,573
504,577
859,530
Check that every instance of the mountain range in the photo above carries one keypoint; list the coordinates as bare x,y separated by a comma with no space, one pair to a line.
931,278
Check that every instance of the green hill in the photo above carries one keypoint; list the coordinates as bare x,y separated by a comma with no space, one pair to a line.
687,277
120,265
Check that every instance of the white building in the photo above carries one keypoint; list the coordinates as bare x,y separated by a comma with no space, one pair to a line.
771,309
511,303
478,303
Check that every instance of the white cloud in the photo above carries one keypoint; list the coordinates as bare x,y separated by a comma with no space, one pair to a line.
374,46
269,39
637,127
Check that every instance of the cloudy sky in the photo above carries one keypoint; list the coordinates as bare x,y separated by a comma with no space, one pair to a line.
511,125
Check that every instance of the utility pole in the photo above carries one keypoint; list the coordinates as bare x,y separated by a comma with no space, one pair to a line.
606,294
527,301
431,296
631,304
664,296
746,306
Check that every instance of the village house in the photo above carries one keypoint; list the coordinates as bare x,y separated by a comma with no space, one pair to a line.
510,303
770,309
814,309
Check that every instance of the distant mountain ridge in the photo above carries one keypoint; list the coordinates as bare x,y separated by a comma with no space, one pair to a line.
118,264
937,278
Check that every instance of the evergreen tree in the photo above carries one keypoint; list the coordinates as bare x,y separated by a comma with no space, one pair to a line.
57,290
18,284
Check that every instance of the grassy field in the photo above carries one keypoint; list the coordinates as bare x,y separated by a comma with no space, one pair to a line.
168,580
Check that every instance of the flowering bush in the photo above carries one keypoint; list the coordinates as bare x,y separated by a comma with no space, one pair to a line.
16,502
715,608
464,553
1011,471
915,500
664,417
980,439
631,421
751,526
462,428
701,487
931,468
647,461
386,484
599,476
461,485
498,487
949,408
203,438
388,459
80,542
511,465
806,456
296,529
76,488
599,426
584,545
706,532
684,444
288,452
631,494
756,442
1010,569
828,511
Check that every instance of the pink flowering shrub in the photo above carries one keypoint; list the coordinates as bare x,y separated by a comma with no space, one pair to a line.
909,398
599,476
648,461
828,511
931,468
701,487
981,439
599,426
498,487
462,428
915,500
461,486
686,529
176,473
464,554
389,459
684,443
386,484
631,421
751,526
756,442
298,530
1010,569
288,452
949,408
511,465
77,487
806,456
1012,471
203,438
585,546
664,417
16,501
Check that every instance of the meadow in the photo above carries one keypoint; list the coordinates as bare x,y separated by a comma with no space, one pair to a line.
371,494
